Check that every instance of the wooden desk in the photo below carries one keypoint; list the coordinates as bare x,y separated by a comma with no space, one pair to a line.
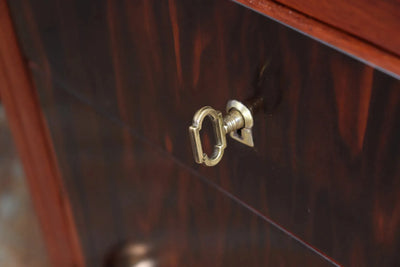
118,83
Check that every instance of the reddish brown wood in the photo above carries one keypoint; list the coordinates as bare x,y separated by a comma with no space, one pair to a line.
128,189
375,21
120,80
35,149
352,44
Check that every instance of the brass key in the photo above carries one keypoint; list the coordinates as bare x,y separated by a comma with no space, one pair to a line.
237,123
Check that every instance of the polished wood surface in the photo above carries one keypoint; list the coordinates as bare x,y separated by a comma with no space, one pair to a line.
353,44
120,82
125,189
375,21
35,150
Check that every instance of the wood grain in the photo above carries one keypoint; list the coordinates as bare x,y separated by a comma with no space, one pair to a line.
35,150
325,164
354,42
375,21
134,192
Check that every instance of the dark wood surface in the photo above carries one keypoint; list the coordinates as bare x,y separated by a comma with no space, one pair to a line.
125,189
355,45
35,150
326,156
375,21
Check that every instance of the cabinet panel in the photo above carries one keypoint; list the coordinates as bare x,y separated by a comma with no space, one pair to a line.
326,153
123,189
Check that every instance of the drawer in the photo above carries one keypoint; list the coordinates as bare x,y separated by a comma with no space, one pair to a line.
324,169
374,21
133,203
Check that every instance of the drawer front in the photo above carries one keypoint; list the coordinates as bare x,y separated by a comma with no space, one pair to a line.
382,18
128,195
119,83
